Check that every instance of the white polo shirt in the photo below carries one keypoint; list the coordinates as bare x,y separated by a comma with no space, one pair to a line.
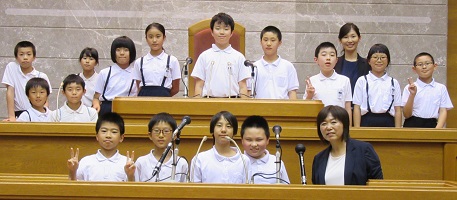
146,164
66,114
90,88
266,165
14,77
429,99
33,115
274,80
333,90
221,70
380,91
119,82
211,167
155,69
97,167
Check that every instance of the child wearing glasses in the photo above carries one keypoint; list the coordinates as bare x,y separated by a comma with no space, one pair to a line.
160,131
377,96
425,102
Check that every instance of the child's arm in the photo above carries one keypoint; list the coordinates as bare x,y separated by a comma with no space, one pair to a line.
441,118
174,87
73,164
243,89
357,115
348,108
199,83
130,167
96,102
292,94
397,116
10,103
408,108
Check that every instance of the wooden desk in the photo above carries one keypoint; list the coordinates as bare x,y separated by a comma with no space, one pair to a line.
407,154
291,113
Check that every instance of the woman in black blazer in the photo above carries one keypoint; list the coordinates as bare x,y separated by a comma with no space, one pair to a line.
345,161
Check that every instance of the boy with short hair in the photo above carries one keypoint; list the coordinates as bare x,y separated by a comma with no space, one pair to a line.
16,76
74,110
328,86
276,78
160,132
107,164
37,92
219,71
255,137
425,102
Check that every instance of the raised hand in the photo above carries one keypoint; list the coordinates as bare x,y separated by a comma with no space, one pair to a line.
73,163
309,89
130,167
412,87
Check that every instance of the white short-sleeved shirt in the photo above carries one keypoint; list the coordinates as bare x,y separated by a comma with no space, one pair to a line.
274,80
380,91
211,167
146,164
221,70
14,77
333,90
97,167
33,115
266,165
429,99
119,84
334,173
155,69
90,88
66,114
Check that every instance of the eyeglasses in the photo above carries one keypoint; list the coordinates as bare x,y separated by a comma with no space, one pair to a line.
377,58
426,64
164,131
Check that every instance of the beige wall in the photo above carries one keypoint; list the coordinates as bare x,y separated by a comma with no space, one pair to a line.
61,29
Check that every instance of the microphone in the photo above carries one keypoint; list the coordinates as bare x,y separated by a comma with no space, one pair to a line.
300,149
189,61
249,63
159,164
184,122
277,130
196,156
242,158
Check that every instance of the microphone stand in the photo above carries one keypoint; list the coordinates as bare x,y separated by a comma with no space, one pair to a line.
242,158
175,156
191,178
252,82
278,161
186,81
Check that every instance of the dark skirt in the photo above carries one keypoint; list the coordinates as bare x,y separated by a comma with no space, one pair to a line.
154,91
420,122
105,107
377,120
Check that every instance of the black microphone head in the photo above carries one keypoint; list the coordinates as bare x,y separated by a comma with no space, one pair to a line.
247,63
300,148
277,129
189,60
186,119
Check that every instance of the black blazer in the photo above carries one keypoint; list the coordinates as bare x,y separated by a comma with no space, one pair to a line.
362,65
362,163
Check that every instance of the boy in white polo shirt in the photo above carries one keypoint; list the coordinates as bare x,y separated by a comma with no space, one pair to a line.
219,71
74,110
16,76
275,77
425,102
37,91
107,164
328,86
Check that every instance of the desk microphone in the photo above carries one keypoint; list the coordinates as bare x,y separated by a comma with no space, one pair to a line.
185,120
300,149
242,158
249,63
195,159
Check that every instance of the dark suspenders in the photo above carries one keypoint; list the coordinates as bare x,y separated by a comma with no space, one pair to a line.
164,77
106,84
368,96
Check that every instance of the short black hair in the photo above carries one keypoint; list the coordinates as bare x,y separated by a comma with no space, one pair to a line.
37,82
324,45
379,48
73,78
162,117
231,119
89,52
123,42
423,54
110,117
222,17
339,114
255,121
24,44
272,29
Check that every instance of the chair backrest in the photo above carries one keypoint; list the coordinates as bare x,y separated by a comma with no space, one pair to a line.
200,39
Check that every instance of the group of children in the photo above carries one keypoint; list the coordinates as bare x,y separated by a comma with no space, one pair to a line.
361,86
220,164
